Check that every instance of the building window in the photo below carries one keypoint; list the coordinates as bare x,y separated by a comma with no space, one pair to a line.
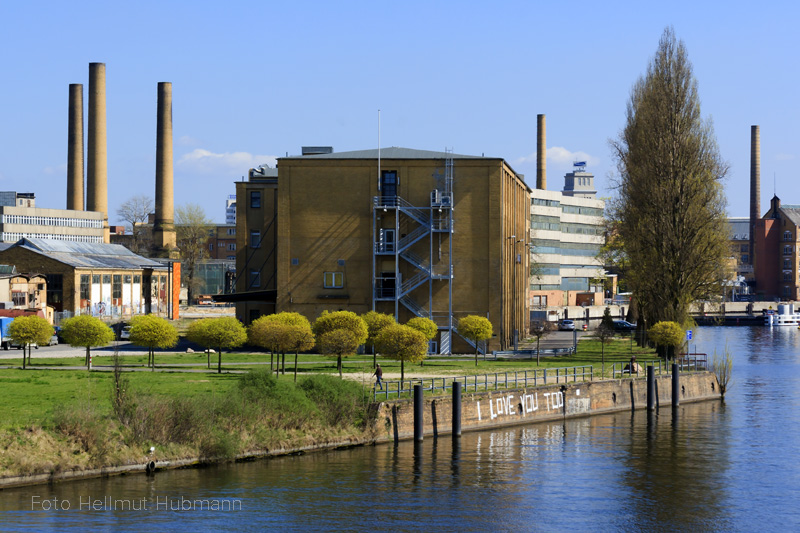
116,288
787,235
55,286
255,279
232,247
211,247
255,239
232,257
333,280
787,263
786,290
745,259
745,248
787,276
231,231
389,184
255,199
18,298
85,287
787,250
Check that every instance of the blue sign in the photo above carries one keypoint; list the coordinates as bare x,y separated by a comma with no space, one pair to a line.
688,334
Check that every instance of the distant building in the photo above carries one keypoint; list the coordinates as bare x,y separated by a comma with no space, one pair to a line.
21,290
17,199
106,280
21,219
59,224
776,255
222,242
742,260
579,183
230,210
567,233
213,276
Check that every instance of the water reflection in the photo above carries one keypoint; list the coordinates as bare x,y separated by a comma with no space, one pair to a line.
706,466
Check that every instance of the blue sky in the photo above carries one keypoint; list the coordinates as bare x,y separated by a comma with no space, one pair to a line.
256,80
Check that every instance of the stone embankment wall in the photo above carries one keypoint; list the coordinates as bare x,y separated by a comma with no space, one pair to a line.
492,409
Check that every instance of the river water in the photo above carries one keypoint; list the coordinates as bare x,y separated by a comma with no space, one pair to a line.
712,466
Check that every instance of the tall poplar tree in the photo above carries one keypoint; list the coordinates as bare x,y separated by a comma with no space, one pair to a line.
670,203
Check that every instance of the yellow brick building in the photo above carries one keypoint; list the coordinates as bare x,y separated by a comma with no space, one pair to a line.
405,232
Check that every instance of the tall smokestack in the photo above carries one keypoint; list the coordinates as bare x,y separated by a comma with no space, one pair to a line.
97,164
541,153
164,225
755,184
75,148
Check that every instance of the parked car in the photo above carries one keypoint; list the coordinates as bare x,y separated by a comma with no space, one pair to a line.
566,325
19,346
125,334
623,325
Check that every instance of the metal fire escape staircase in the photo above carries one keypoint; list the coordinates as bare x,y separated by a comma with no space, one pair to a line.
416,224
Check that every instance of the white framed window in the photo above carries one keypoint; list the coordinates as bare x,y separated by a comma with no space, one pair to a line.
333,280
232,247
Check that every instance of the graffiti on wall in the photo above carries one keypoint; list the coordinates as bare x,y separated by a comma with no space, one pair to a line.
528,403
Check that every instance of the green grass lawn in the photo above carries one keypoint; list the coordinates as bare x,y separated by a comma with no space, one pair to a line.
30,396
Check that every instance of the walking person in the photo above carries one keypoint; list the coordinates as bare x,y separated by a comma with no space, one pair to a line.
378,375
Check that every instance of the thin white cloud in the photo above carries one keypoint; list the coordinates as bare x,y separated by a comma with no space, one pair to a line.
56,170
206,162
560,156
186,140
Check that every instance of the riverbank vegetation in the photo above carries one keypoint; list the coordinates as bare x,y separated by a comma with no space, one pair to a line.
66,420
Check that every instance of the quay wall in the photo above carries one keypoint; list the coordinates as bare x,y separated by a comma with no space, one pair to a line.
496,409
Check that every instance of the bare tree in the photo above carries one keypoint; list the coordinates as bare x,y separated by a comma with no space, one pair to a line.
670,204
541,330
605,334
134,212
192,229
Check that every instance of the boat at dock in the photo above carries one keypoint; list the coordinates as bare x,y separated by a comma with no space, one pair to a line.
786,316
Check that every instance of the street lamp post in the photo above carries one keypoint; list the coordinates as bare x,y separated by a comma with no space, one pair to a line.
514,289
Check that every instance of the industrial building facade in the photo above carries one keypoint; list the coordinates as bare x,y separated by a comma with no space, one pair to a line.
59,224
777,257
567,233
401,231
105,280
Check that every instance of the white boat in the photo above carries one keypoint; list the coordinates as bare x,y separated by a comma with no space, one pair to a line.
786,316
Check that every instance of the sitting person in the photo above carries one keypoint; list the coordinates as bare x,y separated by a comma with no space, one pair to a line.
632,367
